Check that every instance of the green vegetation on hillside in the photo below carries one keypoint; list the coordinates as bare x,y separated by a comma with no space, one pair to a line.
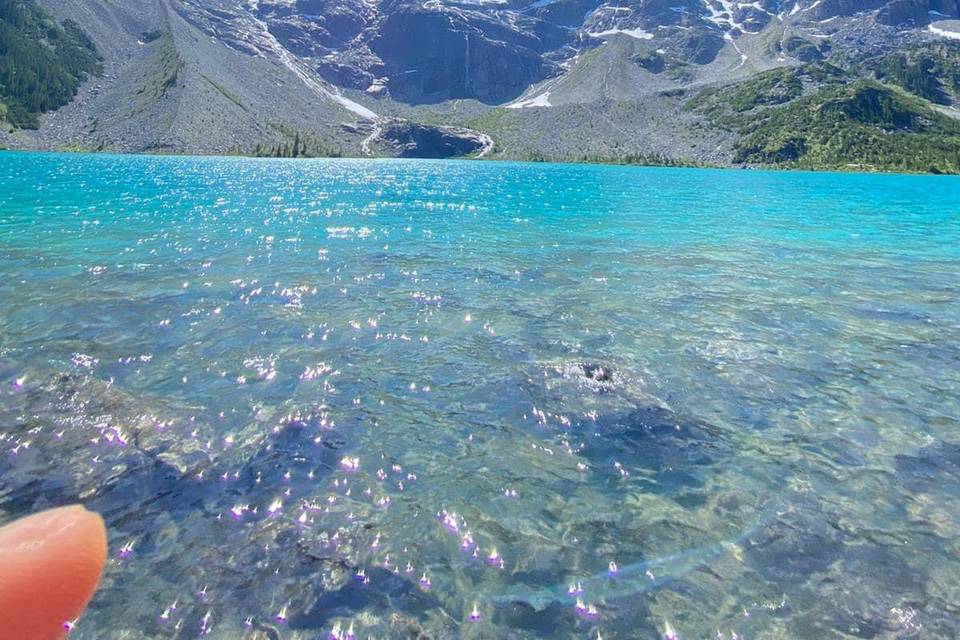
632,159
801,49
772,87
42,63
226,93
916,76
162,72
656,62
296,149
866,124
819,117
725,105
931,71
493,123
296,144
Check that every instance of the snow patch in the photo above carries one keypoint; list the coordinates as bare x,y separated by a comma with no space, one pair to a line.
352,106
639,34
949,30
542,100
743,57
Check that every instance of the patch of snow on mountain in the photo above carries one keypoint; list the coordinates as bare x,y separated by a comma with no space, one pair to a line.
639,34
542,100
722,13
743,56
946,29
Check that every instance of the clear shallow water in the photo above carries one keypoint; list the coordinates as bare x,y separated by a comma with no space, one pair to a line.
271,377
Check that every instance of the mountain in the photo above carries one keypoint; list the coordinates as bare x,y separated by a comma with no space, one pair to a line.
701,81
42,63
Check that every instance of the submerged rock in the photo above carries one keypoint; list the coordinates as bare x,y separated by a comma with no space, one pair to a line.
597,373
934,465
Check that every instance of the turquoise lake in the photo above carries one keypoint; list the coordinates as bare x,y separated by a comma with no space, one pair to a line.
415,399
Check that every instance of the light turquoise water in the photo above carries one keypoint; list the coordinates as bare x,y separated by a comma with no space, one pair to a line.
294,389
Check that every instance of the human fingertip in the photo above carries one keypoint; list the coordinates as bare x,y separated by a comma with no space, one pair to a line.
50,564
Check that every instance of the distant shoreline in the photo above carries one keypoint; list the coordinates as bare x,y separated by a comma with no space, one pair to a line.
611,162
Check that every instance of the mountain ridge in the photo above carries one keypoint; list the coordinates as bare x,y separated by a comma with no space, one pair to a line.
545,79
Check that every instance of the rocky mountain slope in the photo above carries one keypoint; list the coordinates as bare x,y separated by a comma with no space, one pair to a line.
643,80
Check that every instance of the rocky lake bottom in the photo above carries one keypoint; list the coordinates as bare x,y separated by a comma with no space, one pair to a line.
389,399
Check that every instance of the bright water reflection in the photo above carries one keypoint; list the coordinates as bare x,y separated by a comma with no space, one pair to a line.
440,399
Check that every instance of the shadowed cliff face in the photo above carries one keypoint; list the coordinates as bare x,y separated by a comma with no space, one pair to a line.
427,52
417,141
916,12
436,56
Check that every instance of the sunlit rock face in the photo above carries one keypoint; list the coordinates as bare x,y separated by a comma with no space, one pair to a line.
492,50
253,74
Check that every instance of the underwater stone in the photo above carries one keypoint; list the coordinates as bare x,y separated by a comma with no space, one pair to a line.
597,373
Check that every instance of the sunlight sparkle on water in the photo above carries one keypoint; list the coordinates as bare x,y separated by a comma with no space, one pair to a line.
382,399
